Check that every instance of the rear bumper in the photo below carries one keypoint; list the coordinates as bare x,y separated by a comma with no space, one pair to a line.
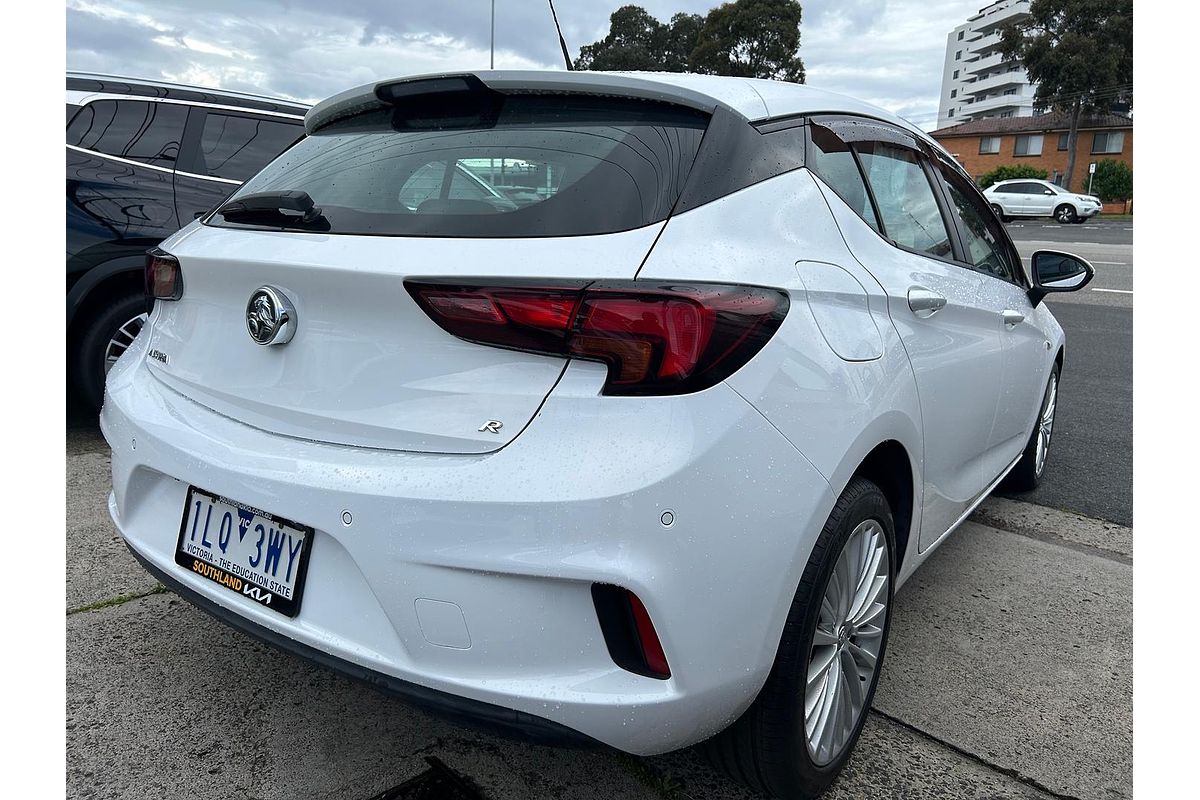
491,718
511,544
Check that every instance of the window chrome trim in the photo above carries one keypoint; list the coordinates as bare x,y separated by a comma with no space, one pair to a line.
167,170
92,97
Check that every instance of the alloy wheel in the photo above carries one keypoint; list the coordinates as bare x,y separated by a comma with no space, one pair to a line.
121,340
1046,425
847,642
1065,214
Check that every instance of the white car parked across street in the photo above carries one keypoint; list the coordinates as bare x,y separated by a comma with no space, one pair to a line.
1029,197
639,459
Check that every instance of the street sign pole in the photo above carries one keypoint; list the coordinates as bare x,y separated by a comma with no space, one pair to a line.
1091,174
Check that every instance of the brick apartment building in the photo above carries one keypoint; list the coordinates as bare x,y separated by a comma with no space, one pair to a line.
1040,141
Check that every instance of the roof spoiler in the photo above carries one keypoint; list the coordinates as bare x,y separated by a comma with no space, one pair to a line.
376,96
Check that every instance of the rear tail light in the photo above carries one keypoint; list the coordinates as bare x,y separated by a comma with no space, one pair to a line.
628,632
164,279
655,339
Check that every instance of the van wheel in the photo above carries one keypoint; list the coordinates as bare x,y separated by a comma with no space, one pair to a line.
801,729
108,335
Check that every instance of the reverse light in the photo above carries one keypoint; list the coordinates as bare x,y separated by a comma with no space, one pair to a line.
164,278
655,338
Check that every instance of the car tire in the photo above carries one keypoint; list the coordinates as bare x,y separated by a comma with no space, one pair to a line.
769,748
107,335
1065,214
999,212
1028,472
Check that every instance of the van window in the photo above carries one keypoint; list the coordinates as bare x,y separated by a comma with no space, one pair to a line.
133,129
235,146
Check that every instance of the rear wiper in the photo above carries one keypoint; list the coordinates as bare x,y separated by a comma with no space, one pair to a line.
293,204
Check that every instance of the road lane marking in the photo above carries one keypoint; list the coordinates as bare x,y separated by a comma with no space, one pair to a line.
1107,263
1115,291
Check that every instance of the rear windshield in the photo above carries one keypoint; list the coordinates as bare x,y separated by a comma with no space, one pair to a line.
543,166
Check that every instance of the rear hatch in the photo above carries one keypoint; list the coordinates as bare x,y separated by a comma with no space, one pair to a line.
458,185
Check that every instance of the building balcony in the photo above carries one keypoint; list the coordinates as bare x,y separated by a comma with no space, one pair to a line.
983,63
1004,80
989,20
1020,105
984,45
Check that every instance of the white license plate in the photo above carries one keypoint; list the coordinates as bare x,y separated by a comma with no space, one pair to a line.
248,551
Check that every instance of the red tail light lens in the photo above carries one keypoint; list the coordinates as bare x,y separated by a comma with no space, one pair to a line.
164,279
655,339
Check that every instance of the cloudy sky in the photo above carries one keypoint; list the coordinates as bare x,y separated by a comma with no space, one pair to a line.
887,52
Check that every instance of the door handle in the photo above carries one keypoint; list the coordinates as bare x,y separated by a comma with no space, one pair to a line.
1011,318
925,302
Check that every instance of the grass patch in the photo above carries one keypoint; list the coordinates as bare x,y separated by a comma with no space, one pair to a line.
664,785
116,601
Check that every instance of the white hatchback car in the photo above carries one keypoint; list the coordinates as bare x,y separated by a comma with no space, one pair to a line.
639,459
1029,197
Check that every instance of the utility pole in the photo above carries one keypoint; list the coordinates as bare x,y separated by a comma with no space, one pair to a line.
492,61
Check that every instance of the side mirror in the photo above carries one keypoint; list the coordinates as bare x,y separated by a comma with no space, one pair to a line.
1048,191
1054,271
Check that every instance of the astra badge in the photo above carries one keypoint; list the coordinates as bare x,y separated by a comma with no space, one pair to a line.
270,316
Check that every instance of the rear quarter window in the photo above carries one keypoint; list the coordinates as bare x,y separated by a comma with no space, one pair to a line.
134,129
236,146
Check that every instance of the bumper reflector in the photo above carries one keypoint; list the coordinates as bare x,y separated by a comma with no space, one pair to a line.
628,632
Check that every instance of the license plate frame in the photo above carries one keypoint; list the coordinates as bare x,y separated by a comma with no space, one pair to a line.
245,580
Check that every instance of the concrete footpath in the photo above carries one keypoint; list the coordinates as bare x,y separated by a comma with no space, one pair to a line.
1008,675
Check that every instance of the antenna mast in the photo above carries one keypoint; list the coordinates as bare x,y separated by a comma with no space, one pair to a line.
561,41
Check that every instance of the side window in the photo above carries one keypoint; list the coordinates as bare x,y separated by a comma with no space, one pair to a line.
134,129
428,183
832,160
986,247
235,147
423,184
466,185
907,204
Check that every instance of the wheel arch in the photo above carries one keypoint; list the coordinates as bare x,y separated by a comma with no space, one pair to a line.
890,467
100,285
889,453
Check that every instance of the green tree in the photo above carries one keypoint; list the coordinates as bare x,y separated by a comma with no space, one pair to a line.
638,41
1113,180
679,39
1080,55
751,39
1008,172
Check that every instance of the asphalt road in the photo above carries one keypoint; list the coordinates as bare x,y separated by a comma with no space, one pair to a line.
1090,470
1007,675
1099,230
